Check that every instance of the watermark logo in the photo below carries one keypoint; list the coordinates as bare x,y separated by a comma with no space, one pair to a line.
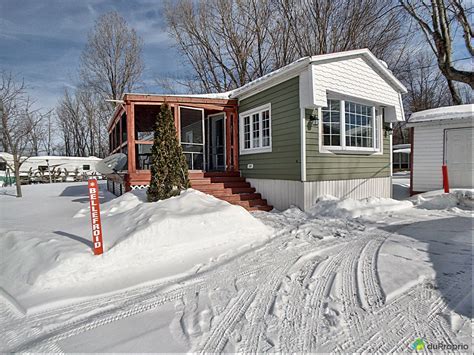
418,344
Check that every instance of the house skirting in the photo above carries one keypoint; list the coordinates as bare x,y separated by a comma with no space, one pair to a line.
284,193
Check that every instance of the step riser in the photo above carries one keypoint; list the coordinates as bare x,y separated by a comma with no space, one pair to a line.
230,187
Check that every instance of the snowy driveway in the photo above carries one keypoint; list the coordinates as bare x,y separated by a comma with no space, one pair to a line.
322,284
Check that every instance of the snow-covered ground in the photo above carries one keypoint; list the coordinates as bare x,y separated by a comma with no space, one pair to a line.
194,273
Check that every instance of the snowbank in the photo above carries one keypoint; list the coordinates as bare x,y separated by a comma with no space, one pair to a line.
143,241
438,200
330,206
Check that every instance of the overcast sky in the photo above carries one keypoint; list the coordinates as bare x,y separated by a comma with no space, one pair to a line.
41,40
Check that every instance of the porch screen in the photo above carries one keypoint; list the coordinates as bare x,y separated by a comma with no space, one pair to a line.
192,136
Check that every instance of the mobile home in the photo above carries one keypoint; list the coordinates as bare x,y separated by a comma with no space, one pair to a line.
320,125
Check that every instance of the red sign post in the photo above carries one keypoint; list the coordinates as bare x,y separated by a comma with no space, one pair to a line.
445,178
95,216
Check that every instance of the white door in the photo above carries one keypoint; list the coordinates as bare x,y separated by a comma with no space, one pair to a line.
459,157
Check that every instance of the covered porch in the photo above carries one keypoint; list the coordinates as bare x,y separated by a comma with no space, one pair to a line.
207,129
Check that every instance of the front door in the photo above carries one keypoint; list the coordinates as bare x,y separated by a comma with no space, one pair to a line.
459,156
192,136
216,148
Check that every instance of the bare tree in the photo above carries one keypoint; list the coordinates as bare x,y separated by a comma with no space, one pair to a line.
19,120
426,85
111,62
437,19
72,125
326,26
82,120
229,43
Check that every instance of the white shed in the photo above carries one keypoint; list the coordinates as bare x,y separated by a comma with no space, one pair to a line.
442,136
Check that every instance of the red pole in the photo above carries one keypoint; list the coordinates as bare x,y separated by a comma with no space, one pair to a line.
95,216
445,179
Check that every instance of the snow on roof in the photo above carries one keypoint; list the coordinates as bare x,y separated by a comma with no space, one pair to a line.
443,113
8,156
217,95
274,74
302,62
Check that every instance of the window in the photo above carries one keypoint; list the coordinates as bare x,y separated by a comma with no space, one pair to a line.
255,130
332,123
350,126
359,121
86,167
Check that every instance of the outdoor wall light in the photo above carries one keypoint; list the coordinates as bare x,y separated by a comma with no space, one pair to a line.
387,129
313,118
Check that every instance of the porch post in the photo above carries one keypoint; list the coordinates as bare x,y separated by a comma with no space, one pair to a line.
228,156
130,107
235,133
176,120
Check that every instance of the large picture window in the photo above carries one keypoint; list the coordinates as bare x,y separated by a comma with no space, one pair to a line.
359,123
350,126
255,130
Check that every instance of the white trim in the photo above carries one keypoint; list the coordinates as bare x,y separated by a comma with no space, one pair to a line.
249,113
303,143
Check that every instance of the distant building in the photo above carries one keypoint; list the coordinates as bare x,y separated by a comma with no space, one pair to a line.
442,136
37,169
401,157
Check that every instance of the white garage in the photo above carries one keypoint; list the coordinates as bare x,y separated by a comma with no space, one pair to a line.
442,136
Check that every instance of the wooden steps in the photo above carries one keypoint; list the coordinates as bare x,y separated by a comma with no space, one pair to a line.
230,187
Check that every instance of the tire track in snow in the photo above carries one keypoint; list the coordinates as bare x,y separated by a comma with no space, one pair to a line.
261,306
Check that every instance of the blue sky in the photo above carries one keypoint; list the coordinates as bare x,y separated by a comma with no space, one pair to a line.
41,40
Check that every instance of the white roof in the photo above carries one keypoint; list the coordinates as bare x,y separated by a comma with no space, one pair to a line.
217,95
303,62
443,113
8,156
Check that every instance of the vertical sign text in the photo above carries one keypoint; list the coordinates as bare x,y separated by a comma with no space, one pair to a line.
95,216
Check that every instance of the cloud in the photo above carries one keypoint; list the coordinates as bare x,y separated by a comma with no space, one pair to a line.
42,41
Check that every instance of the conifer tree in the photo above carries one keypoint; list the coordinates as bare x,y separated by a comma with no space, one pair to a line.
169,170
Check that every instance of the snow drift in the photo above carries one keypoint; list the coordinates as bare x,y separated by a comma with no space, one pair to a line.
330,206
437,200
142,241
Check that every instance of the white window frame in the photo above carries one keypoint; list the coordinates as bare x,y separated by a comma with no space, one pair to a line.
343,149
257,110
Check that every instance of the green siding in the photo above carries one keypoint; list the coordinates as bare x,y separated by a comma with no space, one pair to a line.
283,162
321,166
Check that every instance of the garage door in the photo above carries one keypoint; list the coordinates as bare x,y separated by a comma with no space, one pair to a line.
459,157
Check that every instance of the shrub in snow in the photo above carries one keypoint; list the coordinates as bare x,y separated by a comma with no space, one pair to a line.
169,170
